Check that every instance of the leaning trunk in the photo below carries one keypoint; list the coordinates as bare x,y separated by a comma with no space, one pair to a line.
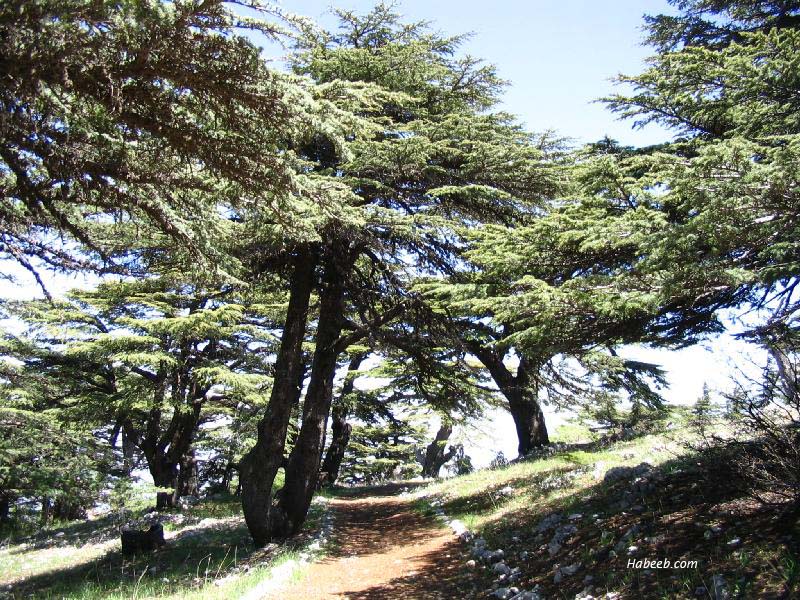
303,465
340,437
260,465
522,393
340,428
523,401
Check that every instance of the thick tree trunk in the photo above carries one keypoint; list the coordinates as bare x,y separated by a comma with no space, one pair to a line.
522,394
166,454
303,465
340,428
260,465
435,456
165,475
188,484
523,402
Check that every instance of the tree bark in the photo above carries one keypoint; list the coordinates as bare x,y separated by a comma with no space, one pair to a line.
165,475
46,513
128,449
260,465
340,428
435,456
187,476
523,402
522,393
303,466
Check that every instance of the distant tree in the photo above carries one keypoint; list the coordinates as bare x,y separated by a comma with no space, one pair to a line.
703,411
148,362
437,453
45,460
383,450
341,429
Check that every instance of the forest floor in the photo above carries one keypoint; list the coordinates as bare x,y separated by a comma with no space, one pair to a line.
384,549
569,523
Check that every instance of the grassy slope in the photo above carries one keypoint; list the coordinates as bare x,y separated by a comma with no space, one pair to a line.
691,494
208,556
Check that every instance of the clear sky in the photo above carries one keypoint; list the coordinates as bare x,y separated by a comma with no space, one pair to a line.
558,55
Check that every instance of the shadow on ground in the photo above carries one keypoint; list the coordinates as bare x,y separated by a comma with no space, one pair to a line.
693,507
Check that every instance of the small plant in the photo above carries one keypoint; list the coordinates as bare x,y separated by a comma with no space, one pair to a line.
499,461
702,412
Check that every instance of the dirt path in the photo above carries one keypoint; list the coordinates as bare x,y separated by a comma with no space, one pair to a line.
384,550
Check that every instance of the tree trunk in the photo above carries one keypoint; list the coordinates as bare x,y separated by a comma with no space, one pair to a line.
522,394
165,475
435,456
523,402
128,448
340,428
5,509
188,485
46,510
260,465
303,465
64,510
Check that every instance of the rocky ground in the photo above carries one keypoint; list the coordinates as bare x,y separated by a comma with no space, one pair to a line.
580,521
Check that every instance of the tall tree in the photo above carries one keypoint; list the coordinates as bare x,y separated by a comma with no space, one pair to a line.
434,162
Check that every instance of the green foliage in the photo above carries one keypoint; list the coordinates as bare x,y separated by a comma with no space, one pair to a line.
383,450
44,460
703,412
158,114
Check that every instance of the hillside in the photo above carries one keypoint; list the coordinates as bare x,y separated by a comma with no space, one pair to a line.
571,523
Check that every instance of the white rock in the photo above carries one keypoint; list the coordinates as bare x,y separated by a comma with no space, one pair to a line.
497,555
457,526
575,517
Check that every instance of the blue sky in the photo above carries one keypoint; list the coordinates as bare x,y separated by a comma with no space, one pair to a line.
559,55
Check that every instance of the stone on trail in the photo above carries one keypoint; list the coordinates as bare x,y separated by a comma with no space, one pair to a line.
501,568
527,596
496,556
549,522
567,571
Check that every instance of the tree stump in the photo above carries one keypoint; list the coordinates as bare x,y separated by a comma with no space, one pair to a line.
136,540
